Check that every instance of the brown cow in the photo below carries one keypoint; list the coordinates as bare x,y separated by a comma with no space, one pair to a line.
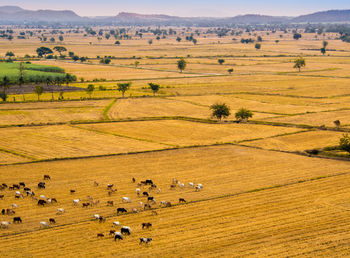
110,203
182,200
146,225
47,177
42,202
52,221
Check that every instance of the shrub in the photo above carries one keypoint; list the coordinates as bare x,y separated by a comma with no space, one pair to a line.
344,143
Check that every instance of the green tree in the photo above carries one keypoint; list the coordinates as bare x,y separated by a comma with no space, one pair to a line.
221,61
243,114
150,42
136,63
178,39
43,51
90,89
60,49
9,54
75,58
39,90
61,38
296,36
299,63
344,143
154,87
123,87
257,46
5,84
230,70
323,49
220,110
181,64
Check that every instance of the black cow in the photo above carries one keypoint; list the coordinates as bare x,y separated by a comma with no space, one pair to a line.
125,230
26,189
22,184
121,210
52,221
17,220
41,185
145,194
118,236
146,225
42,202
3,211
149,182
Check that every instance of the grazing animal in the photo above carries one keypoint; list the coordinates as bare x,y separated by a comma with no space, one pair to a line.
134,210
76,201
72,191
133,180
101,219
5,224
14,206
96,216
53,200
42,202
146,225
145,194
47,177
44,224
100,235
141,204
4,185
182,200
149,182
172,186
15,186
41,185
126,199
125,230
138,190
1,196
30,193
121,210
22,184
3,212
95,202
116,223
112,191
17,220
145,240
150,198
10,212
110,203
181,185
26,189
118,235
86,204
191,184
165,204
109,186
60,211
18,195
199,187
112,232
52,221
96,183
43,197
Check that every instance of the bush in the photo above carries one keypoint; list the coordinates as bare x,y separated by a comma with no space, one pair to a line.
243,114
344,143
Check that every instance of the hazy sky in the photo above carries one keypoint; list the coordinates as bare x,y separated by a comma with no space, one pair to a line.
184,7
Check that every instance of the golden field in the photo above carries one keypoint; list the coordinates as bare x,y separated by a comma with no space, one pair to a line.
257,200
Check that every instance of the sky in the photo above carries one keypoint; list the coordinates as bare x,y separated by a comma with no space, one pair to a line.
208,8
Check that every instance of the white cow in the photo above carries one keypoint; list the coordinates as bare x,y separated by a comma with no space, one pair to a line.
76,201
126,199
96,216
116,223
60,211
44,224
5,224
14,206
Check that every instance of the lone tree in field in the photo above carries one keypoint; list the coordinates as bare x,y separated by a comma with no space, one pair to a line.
154,87
323,49
299,63
181,64
136,64
220,110
60,49
243,114
90,89
5,84
296,36
123,87
221,61
39,90
344,143
257,46
43,51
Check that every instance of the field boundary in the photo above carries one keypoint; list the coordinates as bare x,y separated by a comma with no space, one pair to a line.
106,110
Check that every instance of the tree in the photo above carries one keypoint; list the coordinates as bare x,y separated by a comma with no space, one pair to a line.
230,70
257,46
296,36
154,87
105,60
220,110
243,114
52,40
344,143
61,38
39,90
259,39
221,61
43,51
136,63
150,42
5,84
9,54
117,43
323,49
277,41
181,64
123,87
89,90
194,41
299,63
60,49
75,58
178,39
83,59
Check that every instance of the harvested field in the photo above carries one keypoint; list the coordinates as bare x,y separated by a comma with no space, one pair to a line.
182,133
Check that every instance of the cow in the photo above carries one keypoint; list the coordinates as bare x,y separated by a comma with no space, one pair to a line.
76,202
60,211
125,230
5,224
101,219
72,191
149,182
3,212
26,189
126,199
199,187
86,204
146,225
110,186
44,224
15,186
147,206
96,183
145,240
150,198
121,210
47,177
118,235
42,202
145,194
133,180
10,212
110,203
41,185
22,184
138,190
165,204
134,210
2,196
17,220
96,216
52,221
14,206
116,223
182,200
4,185
100,235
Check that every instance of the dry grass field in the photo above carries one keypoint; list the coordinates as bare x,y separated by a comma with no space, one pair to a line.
257,200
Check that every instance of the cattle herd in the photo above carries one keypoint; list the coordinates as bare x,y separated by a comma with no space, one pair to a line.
21,192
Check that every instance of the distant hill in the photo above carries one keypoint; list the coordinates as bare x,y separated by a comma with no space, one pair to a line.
326,16
17,15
